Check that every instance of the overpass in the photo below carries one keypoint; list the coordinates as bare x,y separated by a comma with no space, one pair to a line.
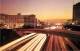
65,33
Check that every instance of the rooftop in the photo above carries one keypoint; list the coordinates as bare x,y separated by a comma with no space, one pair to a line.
77,4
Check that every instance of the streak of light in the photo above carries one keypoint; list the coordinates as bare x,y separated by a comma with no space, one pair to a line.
71,44
63,46
57,42
21,42
39,46
14,42
49,46
33,42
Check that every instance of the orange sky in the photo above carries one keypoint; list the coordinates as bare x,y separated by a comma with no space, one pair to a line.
51,10
55,20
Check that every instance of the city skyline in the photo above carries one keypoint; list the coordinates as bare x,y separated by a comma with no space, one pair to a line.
44,10
40,25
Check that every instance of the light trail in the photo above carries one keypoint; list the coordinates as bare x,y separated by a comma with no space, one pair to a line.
55,45
35,43
57,42
63,46
27,45
13,46
31,45
49,46
14,43
40,45
71,44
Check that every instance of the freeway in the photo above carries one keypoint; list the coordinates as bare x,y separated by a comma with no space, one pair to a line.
28,42
58,43
40,42
65,33
53,40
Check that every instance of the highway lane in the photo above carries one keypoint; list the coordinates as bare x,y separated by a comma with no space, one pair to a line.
58,43
17,42
55,43
40,42
71,44
34,44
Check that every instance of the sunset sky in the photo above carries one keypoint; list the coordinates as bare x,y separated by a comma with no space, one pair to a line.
57,10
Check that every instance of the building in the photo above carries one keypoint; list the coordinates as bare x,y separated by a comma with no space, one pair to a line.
12,21
38,22
17,21
76,13
30,20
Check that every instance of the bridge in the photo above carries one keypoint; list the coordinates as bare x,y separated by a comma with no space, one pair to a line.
43,39
64,33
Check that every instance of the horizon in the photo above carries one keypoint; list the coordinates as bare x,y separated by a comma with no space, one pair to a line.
56,10
51,21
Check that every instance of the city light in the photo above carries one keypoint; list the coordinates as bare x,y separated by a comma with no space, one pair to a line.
53,27
26,13
40,25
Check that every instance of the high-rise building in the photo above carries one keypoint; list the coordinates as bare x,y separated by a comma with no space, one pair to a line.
76,13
